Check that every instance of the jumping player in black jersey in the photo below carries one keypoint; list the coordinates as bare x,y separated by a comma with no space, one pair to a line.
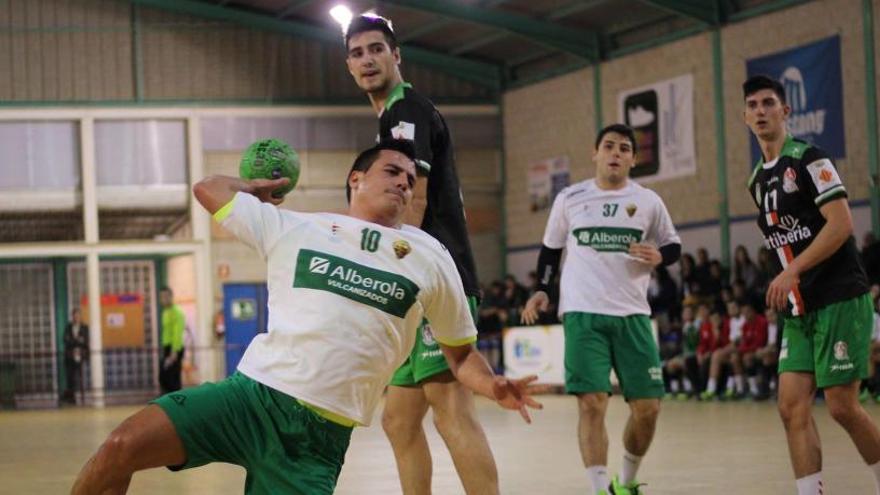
424,380
821,290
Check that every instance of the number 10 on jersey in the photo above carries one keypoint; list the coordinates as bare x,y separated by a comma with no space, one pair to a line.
370,240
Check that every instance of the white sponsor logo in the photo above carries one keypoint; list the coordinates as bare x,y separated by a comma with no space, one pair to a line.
404,130
427,335
840,351
794,232
656,374
801,121
319,265
362,284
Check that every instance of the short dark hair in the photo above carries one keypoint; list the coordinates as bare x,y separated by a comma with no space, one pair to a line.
165,288
371,22
366,158
763,81
623,130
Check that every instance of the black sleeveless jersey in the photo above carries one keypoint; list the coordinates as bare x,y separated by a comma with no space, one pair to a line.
789,192
409,115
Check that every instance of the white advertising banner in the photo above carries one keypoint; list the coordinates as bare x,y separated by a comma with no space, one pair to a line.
538,350
662,116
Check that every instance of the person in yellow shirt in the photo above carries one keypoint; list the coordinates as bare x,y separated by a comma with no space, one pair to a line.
173,326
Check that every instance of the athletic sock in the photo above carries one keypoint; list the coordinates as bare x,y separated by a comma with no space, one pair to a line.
753,385
598,477
810,485
688,386
673,386
630,467
712,386
876,470
740,383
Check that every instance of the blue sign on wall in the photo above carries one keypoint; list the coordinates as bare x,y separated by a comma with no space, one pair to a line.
811,77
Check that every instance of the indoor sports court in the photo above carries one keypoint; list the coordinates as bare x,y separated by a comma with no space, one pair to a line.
120,285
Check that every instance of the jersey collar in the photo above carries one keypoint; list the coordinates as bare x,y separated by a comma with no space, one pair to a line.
396,94
789,148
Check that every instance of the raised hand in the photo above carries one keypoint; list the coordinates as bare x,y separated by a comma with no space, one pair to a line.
263,189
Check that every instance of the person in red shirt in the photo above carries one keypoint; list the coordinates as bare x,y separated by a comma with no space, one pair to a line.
721,354
754,338
713,336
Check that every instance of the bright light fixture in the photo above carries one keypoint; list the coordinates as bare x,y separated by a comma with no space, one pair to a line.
342,15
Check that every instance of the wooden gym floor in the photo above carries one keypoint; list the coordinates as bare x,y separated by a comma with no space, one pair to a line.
711,448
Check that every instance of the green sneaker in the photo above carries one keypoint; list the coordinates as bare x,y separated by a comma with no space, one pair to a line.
864,396
706,395
681,396
668,396
631,488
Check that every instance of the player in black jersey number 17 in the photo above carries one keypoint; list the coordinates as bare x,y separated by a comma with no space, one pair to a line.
821,291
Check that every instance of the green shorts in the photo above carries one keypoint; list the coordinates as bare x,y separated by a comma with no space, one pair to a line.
832,342
426,358
594,344
284,446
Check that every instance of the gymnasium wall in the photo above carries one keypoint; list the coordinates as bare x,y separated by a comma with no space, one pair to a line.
86,50
555,117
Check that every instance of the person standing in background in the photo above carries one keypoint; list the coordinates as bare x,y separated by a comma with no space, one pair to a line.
173,326
76,352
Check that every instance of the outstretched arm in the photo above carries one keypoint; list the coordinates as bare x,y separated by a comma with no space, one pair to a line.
472,370
216,191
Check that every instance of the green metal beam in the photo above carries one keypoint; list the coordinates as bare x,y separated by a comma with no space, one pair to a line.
720,146
481,73
439,23
548,74
578,42
293,6
871,104
706,12
560,13
137,57
478,42
764,8
661,40
59,290
424,29
597,96
638,24
573,8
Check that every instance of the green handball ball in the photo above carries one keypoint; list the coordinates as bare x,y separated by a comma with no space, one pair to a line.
270,159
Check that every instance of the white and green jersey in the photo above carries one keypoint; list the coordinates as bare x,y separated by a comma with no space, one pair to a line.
346,297
596,227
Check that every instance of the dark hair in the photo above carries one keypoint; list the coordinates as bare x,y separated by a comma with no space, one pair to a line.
371,22
623,130
762,81
165,288
366,158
